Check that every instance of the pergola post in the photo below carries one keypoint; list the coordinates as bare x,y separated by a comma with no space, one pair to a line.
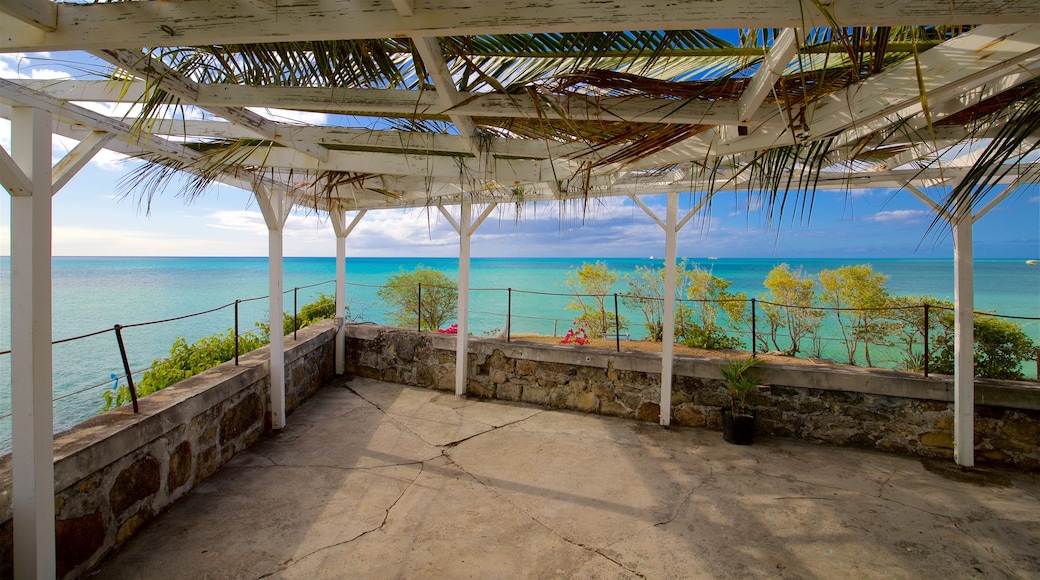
339,225
32,412
465,226
275,208
963,341
462,338
671,234
339,217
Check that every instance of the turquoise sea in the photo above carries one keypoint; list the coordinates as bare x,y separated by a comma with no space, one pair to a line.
93,294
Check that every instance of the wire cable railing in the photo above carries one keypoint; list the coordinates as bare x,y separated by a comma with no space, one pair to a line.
753,329
128,373
873,336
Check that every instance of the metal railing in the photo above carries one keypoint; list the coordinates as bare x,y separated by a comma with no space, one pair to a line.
118,329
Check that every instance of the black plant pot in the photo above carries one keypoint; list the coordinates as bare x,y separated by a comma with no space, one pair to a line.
738,429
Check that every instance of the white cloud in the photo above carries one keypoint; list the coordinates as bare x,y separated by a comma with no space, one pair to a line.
20,65
904,216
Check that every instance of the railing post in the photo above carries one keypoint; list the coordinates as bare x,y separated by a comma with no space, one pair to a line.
926,339
509,313
418,314
754,329
555,322
236,331
295,322
126,366
617,324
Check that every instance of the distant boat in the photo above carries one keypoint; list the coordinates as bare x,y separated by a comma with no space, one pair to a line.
651,257
1033,262
713,257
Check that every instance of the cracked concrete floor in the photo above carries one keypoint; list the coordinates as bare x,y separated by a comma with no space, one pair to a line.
377,480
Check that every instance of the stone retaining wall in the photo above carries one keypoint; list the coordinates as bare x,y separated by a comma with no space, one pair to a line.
116,471
838,405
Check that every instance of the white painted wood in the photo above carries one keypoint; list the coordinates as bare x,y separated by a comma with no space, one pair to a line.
671,233
764,79
964,341
646,209
404,7
483,216
78,158
41,14
206,22
968,60
71,113
462,338
927,200
1008,190
272,206
12,177
157,72
451,219
86,90
32,442
432,57
504,170
427,104
693,211
338,219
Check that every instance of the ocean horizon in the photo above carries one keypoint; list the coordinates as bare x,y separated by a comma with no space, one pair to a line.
95,293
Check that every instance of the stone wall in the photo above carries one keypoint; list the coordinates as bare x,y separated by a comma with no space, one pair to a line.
838,405
116,471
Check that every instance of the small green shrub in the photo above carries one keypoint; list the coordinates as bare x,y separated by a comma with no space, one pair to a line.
186,360
323,308
709,337
1000,348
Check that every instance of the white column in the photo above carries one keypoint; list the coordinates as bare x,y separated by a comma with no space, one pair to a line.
275,208
462,338
31,380
964,342
671,233
341,292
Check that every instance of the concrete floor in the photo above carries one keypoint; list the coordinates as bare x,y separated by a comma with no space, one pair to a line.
376,480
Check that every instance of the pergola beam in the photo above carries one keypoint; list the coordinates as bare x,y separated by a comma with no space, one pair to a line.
157,72
430,52
78,158
958,65
41,14
208,22
769,71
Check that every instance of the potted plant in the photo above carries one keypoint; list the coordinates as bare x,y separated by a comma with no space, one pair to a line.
738,423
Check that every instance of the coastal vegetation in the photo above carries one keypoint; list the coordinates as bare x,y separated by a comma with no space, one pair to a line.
591,284
187,360
853,302
423,298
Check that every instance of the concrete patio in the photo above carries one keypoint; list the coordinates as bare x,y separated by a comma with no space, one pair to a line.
377,480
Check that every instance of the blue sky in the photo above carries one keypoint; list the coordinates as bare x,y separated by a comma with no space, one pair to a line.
90,219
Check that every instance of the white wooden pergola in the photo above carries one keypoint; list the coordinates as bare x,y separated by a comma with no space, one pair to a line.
919,120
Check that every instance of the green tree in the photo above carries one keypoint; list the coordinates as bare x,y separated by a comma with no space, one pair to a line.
698,317
591,283
440,298
644,291
1000,347
791,304
909,325
861,289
